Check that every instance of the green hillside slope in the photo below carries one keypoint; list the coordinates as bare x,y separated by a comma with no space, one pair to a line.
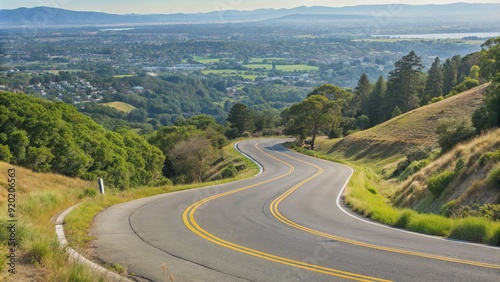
389,141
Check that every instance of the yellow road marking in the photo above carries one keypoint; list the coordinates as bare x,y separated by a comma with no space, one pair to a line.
275,212
188,217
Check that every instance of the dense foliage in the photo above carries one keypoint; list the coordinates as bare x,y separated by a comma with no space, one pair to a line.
191,148
54,137
488,116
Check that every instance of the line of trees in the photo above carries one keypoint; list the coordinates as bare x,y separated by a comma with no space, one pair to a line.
330,110
409,87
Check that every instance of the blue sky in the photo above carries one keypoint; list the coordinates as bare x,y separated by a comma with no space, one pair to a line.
193,6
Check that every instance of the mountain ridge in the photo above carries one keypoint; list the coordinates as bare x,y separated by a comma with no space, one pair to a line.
56,16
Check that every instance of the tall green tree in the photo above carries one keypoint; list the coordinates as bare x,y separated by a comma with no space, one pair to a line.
434,84
375,106
241,118
340,96
362,93
488,116
404,84
313,116
450,73
490,58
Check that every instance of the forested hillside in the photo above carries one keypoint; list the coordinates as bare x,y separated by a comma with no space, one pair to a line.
54,137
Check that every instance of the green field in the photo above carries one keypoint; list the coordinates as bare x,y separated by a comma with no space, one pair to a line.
205,60
288,68
260,60
121,106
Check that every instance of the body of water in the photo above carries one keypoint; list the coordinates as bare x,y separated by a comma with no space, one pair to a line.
444,35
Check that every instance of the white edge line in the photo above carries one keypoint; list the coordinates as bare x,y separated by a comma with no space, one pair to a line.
261,169
75,256
387,226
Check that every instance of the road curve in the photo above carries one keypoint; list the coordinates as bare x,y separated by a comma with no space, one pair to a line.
286,224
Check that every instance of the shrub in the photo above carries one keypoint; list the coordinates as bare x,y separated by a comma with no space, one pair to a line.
413,168
437,183
229,171
493,177
412,156
473,229
430,224
404,219
489,156
451,132
449,209
436,99
495,238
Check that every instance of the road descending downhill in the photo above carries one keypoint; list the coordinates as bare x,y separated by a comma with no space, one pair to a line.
286,224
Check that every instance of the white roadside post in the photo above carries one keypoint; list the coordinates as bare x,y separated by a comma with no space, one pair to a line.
101,186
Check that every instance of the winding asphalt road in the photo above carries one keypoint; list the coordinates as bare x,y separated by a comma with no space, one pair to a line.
286,224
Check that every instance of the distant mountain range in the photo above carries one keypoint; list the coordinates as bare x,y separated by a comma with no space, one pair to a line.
46,16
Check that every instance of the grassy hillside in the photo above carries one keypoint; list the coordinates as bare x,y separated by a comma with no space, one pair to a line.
465,181
474,183
41,196
386,143
121,106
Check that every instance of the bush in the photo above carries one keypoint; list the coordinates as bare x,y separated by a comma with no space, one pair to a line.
451,132
229,171
489,156
413,168
471,229
430,224
404,219
449,209
437,183
494,177
436,99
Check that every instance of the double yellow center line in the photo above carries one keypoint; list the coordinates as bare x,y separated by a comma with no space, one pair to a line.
189,220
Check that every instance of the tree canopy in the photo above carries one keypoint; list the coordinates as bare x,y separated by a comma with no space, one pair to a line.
54,137
311,117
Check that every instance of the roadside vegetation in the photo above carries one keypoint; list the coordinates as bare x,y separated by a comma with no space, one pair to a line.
426,157
443,182
41,196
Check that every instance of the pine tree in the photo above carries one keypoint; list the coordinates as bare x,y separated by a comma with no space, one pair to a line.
241,118
434,84
450,73
361,95
405,84
374,107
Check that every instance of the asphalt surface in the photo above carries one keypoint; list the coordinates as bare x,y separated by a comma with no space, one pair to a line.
286,224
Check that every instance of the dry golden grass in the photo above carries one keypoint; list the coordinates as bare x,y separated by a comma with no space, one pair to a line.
384,145
468,187
121,106
419,126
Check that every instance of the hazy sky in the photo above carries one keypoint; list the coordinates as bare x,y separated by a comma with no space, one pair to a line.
192,6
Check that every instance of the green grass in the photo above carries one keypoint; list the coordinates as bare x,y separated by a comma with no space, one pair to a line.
288,68
41,196
474,229
260,60
205,60
121,106
361,198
